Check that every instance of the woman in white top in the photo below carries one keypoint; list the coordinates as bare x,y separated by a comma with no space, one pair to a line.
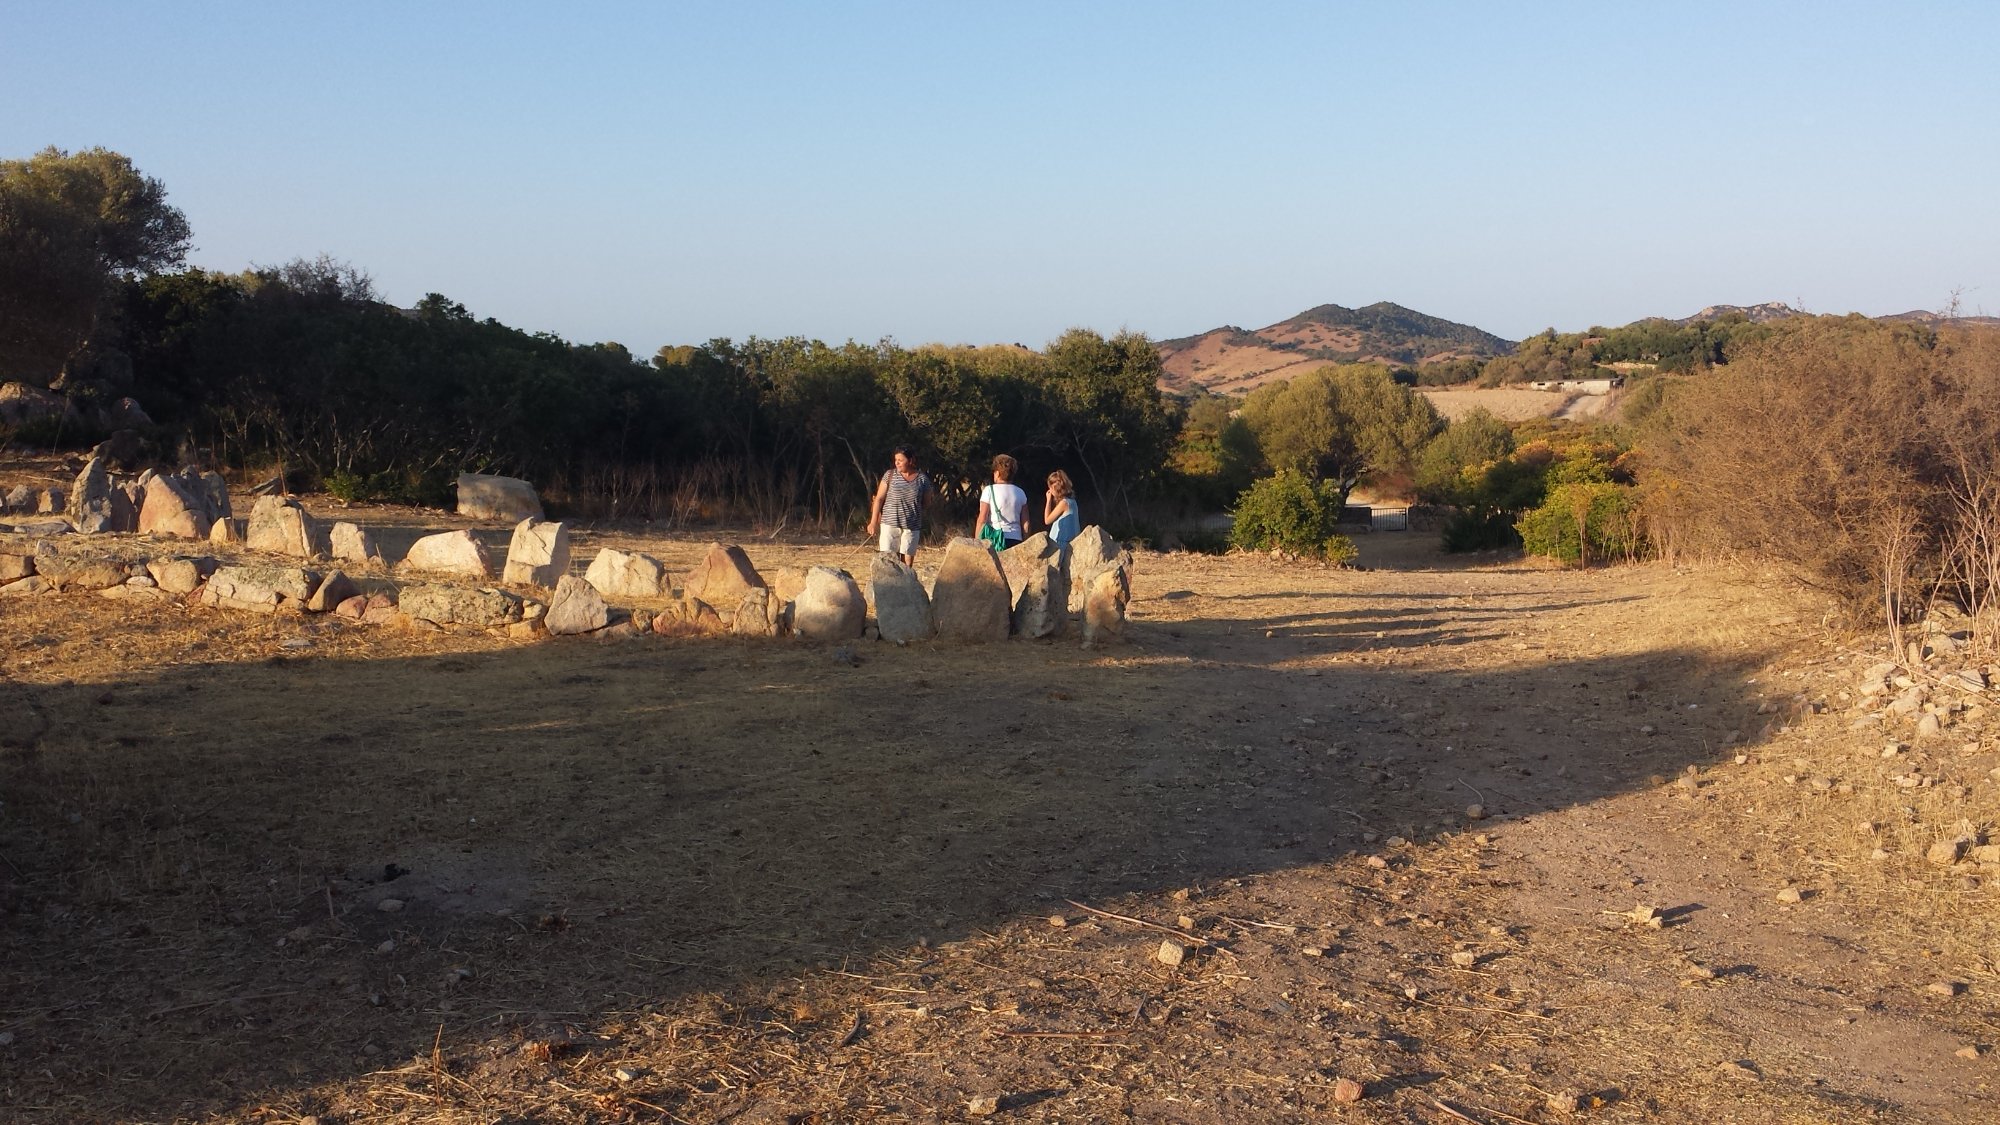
1003,506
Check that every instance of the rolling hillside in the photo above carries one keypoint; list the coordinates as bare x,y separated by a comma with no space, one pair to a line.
1233,360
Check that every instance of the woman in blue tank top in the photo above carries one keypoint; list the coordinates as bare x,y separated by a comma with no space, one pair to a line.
1059,509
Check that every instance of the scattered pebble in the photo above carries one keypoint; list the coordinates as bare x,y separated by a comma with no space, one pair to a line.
1058,921
1969,1051
1377,862
1347,1091
1313,951
1475,812
1171,953
1564,1101
1791,894
1465,959
627,1074
1738,1068
388,946
982,1106
389,905
1945,987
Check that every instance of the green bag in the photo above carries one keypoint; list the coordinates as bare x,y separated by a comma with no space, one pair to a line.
993,537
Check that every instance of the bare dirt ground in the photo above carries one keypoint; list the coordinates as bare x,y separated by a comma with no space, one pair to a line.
702,880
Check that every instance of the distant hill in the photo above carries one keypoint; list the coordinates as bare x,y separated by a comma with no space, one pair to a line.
1232,360
1755,314
1919,316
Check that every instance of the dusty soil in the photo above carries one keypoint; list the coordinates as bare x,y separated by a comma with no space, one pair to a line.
723,880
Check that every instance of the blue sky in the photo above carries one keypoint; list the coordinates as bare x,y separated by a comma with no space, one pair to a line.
667,173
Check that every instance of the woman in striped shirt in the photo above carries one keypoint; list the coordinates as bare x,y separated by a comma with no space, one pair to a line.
898,514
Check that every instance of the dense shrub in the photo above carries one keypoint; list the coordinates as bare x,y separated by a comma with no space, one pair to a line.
1291,513
1583,522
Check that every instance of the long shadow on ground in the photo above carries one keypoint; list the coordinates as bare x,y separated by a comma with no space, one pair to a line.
200,861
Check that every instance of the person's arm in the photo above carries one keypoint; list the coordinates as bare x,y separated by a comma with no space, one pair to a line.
1026,523
875,513
1050,502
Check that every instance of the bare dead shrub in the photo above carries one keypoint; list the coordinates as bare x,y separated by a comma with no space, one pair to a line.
1862,455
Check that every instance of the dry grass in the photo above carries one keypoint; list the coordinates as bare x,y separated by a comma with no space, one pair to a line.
707,881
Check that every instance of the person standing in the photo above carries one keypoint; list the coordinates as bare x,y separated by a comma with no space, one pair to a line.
1003,507
898,513
1059,509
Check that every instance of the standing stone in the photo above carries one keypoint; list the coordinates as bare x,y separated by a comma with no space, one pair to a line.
349,543
1038,573
177,504
830,608
1104,607
902,608
22,499
577,608
626,574
449,552
485,497
723,577
279,525
13,567
50,502
97,506
1092,553
970,599
753,616
538,554
228,531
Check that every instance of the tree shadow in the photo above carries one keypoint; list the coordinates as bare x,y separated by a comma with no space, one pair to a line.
295,871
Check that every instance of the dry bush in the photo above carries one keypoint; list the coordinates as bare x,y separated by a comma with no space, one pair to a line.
1863,455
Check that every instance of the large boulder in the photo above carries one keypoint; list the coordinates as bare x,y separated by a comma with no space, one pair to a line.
259,589
538,554
97,505
449,552
723,577
453,605
350,543
21,404
1038,574
902,608
485,497
182,505
627,574
970,599
753,616
830,608
279,525
1104,607
576,608
1091,553
21,498
75,569
15,566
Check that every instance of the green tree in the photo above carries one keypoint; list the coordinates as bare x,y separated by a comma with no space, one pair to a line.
71,228
1448,469
1340,424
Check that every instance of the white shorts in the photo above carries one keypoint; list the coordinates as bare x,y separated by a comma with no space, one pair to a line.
898,541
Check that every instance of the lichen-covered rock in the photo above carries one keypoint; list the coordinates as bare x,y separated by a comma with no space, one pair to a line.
970,599
259,589
902,608
452,605
1104,607
180,505
1038,575
1091,553
334,589
753,616
96,505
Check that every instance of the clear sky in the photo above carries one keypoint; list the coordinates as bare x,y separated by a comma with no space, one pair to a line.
659,173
